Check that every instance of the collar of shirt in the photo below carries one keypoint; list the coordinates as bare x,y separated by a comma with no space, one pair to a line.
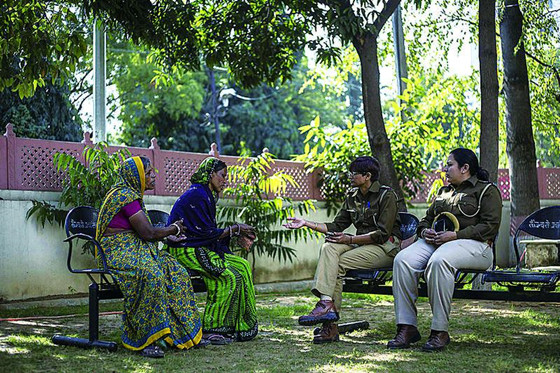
471,181
374,188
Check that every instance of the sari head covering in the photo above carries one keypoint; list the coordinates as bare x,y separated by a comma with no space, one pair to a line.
130,186
204,171
197,208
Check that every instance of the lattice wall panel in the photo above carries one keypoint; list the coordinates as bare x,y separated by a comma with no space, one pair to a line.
303,180
552,180
37,171
177,173
503,183
424,188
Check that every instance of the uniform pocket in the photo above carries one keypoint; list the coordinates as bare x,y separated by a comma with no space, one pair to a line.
468,205
370,217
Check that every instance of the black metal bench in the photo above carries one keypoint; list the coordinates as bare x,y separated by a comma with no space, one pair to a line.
80,223
368,280
521,284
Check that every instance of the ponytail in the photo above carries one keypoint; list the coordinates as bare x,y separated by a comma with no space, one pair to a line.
482,174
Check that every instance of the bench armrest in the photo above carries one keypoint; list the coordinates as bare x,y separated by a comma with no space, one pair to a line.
98,250
540,241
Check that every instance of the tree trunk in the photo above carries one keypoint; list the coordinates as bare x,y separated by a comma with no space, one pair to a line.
377,135
520,147
489,139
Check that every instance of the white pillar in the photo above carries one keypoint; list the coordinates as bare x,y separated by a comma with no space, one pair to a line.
99,71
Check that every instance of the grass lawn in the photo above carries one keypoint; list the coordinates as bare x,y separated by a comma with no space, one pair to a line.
486,337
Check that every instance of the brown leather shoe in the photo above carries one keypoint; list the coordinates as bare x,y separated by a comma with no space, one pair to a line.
406,334
327,334
324,311
437,341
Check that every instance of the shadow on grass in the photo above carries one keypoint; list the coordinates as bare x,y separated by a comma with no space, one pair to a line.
486,336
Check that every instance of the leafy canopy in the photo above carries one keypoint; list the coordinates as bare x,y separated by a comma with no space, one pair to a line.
252,182
39,40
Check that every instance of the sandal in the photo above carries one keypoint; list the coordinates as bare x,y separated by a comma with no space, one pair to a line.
217,339
152,351
202,343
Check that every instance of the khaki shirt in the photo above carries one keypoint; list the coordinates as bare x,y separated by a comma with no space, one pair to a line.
463,202
368,214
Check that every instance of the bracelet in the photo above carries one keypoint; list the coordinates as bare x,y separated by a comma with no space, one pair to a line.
231,230
178,229
350,240
422,233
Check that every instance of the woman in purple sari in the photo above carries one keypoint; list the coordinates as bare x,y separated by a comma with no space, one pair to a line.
230,305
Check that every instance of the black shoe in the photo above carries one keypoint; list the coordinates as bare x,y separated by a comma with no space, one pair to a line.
437,341
323,312
406,334
328,333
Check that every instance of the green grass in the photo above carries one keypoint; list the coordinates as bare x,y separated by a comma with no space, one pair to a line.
486,337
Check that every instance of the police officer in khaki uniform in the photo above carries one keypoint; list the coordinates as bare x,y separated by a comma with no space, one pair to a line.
372,209
476,208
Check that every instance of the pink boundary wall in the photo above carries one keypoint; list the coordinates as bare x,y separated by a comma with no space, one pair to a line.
26,164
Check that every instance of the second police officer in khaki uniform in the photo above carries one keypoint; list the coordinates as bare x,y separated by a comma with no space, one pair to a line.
475,206
372,209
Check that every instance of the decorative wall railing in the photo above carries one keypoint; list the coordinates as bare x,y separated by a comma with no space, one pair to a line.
26,164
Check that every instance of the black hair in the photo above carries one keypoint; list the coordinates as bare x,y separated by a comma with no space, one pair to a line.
365,164
145,162
219,165
466,156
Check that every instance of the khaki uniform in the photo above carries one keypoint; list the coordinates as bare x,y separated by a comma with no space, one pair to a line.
479,221
375,214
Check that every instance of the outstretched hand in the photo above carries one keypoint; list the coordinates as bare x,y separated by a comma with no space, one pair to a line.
294,223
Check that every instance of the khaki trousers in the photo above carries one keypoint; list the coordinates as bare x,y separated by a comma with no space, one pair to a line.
440,266
335,259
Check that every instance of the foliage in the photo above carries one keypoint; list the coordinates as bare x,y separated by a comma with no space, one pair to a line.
441,114
259,193
179,113
541,35
255,39
439,117
39,41
168,112
433,35
331,150
85,184
271,117
47,115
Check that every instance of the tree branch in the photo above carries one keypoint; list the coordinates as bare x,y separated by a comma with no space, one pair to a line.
537,60
385,14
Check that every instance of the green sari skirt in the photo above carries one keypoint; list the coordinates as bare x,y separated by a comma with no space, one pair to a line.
230,303
159,302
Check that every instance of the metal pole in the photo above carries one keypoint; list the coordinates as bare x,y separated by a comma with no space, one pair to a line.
215,110
99,72
400,57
